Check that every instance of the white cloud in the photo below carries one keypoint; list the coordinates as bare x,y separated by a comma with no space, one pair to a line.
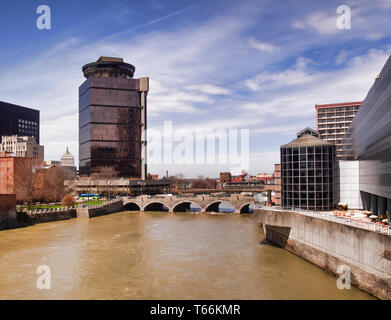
262,46
348,84
289,77
182,65
374,36
321,22
341,57
208,89
187,67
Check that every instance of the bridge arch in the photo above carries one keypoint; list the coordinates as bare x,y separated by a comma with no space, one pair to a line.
131,206
245,208
184,206
156,206
214,205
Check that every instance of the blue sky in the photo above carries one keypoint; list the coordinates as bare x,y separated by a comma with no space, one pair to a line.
260,65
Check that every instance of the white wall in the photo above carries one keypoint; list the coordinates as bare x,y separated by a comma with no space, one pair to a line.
348,183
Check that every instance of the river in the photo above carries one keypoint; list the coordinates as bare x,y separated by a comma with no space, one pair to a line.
156,255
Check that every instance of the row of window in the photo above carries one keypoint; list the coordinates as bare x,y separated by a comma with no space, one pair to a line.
334,125
292,165
307,158
346,120
337,114
23,121
326,110
308,188
308,175
303,150
327,199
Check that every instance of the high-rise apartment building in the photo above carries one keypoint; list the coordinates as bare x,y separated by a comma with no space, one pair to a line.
112,120
332,123
20,121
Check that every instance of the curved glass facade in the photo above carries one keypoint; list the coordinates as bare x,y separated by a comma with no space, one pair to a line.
307,179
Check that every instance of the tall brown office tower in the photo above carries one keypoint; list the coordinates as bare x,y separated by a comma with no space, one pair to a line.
112,120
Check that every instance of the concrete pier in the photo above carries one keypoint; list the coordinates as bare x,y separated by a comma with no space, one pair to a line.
101,209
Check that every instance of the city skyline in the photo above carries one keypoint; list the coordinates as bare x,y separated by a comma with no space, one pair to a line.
256,65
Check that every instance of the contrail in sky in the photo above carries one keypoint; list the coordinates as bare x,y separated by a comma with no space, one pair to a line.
144,24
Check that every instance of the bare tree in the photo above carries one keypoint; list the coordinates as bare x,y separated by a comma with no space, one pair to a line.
25,183
202,183
105,177
70,187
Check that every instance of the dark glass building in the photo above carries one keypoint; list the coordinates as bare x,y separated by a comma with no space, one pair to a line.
17,120
371,135
112,119
307,172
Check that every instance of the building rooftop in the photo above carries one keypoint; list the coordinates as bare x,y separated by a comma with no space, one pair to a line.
308,131
340,104
111,59
105,65
67,159
307,138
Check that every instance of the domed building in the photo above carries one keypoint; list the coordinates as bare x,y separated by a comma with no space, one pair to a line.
307,172
67,159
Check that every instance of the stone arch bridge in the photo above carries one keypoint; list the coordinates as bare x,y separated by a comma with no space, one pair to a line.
207,203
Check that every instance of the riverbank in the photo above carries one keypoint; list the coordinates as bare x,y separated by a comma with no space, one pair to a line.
28,218
329,244
31,217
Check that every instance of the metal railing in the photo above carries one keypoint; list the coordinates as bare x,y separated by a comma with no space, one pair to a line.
101,205
347,220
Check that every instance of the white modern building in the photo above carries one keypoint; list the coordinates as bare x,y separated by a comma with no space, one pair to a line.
347,183
22,147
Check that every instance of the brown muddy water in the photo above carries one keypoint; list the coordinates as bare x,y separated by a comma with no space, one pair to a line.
156,255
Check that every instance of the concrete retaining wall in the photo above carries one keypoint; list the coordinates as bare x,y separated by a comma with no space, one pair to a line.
329,244
100,210
7,210
31,217
41,216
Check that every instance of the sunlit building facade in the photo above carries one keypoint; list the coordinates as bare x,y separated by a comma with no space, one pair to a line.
371,136
112,119
332,123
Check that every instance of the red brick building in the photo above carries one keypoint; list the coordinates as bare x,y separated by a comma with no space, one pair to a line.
28,180
14,175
